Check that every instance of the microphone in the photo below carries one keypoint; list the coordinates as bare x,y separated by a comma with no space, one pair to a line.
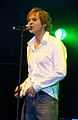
25,27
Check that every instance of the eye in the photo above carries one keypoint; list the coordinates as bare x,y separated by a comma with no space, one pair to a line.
28,20
34,19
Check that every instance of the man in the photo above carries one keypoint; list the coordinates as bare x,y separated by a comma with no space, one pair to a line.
46,56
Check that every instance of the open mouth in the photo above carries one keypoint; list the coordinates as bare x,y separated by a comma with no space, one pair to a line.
31,27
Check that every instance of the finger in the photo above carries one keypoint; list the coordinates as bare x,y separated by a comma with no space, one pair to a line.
16,89
27,91
30,95
16,95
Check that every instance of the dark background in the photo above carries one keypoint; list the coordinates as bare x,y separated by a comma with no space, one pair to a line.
13,13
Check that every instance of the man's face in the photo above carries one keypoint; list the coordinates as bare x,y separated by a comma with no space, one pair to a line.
35,24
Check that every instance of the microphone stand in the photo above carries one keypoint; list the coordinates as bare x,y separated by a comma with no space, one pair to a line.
20,65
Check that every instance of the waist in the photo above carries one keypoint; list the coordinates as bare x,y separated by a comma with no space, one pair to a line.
44,93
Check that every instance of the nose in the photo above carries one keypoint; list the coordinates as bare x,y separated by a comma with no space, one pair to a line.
30,21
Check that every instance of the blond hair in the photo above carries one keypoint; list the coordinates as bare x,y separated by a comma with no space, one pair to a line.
44,17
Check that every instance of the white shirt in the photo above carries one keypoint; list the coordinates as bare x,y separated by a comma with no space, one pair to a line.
47,65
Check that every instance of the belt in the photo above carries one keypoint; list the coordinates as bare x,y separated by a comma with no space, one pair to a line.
43,93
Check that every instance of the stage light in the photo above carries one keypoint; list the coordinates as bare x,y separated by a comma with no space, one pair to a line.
60,33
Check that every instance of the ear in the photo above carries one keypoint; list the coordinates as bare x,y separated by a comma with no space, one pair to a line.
45,25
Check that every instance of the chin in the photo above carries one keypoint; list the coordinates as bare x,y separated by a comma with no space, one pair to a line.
31,31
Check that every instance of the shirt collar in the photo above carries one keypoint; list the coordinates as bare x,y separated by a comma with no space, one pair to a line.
44,41
45,38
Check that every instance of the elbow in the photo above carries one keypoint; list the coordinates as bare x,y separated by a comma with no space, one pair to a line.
63,74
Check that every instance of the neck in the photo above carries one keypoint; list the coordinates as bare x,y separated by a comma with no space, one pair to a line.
39,36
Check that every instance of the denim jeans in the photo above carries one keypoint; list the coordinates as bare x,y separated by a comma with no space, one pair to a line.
40,107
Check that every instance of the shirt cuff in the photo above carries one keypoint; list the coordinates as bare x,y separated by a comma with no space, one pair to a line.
36,87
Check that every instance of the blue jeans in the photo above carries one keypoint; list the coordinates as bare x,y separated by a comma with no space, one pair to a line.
40,107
